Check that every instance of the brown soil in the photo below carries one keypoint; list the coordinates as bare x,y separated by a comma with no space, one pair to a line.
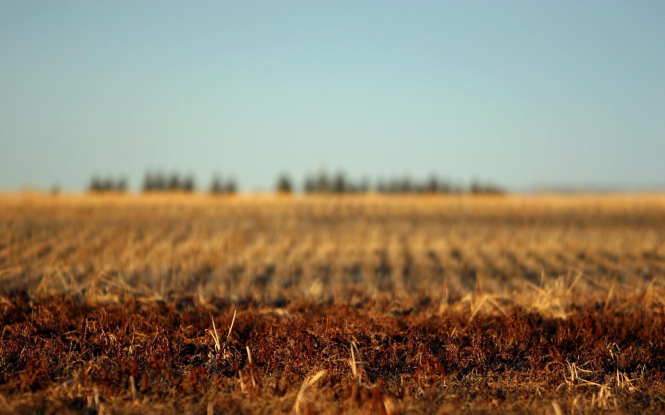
61,355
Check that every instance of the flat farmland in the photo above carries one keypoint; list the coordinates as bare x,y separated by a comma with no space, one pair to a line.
328,304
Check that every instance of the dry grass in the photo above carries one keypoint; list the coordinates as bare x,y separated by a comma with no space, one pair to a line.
376,304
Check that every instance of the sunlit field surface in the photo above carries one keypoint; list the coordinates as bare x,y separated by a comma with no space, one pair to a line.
327,304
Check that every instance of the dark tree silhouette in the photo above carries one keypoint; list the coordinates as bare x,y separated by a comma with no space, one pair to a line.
148,182
433,184
98,185
159,182
363,187
95,184
107,185
173,183
217,186
231,186
340,184
381,187
322,183
310,184
121,185
188,184
284,184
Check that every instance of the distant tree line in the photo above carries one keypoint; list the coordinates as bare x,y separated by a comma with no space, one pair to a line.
337,184
486,188
320,183
340,184
160,182
107,185
220,187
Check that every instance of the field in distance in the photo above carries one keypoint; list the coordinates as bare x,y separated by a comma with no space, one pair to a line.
327,304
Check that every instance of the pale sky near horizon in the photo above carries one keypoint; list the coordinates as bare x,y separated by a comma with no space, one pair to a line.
523,94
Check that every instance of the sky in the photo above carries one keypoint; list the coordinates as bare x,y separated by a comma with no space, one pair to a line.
520,93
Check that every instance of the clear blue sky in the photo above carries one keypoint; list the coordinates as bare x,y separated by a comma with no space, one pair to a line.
521,93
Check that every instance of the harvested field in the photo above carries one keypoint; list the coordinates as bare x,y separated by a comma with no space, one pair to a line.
358,304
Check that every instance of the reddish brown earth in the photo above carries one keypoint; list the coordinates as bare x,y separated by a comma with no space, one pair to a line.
62,356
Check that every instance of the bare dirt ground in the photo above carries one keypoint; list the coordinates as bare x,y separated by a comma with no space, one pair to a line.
359,304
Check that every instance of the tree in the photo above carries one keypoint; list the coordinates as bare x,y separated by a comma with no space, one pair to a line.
284,184
363,187
322,183
107,184
433,184
121,185
173,184
95,184
148,182
381,187
310,184
339,184
231,186
159,182
188,184
217,186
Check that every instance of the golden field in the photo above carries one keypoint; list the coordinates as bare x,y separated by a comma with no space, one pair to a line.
270,248
373,303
